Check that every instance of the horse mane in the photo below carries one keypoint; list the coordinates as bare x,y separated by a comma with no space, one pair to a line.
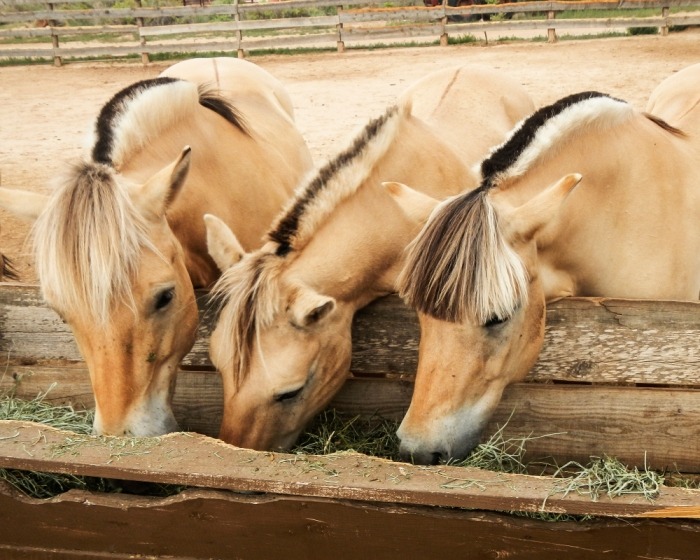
247,300
538,135
246,293
87,242
336,181
460,265
137,114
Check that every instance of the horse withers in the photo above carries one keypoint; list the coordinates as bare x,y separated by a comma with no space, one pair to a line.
120,245
588,197
282,341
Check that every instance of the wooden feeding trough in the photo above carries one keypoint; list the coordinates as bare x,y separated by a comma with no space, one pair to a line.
616,377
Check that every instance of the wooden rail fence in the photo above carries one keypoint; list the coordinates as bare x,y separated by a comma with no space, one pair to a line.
615,377
239,27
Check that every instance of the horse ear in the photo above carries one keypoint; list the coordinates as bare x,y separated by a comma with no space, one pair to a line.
526,220
416,205
222,244
155,196
309,307
24,204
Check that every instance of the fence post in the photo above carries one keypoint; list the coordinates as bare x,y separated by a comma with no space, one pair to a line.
54,39
240,52
444,38
142,39
551,31
664,14
340,44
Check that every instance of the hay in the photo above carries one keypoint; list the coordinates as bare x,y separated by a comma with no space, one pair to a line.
65,417
609,477
332,432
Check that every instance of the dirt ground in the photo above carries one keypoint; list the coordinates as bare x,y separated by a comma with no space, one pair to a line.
46,112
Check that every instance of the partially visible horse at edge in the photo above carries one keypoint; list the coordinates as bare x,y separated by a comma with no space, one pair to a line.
120,245
588,197
283,342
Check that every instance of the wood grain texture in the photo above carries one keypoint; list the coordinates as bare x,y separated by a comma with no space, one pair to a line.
637,425
592,345
592,340
205,524
196,460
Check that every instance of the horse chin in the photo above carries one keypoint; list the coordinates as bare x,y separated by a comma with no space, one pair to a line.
142,425
452,440
285,443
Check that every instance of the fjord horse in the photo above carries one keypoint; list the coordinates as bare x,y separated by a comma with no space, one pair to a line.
588,197
282,341
121,243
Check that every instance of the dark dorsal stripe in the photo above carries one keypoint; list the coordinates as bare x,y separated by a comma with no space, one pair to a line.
222,107
102,150
509,152
104,146
289,224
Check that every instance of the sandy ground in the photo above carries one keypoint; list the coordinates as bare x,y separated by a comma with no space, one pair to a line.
46,112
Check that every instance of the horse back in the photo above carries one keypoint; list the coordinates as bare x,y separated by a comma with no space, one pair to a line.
472,108
240,81
676,100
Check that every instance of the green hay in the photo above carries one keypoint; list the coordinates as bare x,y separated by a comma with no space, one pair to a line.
65,417
331,432
605,476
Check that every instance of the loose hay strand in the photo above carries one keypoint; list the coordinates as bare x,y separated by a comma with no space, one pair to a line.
62,417
608,476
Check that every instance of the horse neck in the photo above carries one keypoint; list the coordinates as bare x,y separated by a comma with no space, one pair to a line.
613,233
224,179
424,158
351,255
357,252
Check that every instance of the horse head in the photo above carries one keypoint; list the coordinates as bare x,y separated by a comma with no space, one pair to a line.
110,266
283,338
472,276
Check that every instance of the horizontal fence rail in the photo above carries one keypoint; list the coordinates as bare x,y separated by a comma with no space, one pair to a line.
247,26
615,377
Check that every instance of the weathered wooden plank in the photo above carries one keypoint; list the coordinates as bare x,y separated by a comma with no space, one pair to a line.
587,340
639,426
195,460
204,524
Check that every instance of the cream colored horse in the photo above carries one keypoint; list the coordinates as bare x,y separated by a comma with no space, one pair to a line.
120,244
482,270
282,342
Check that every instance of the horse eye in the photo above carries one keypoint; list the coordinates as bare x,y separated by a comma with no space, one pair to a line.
164,298
289,395
494,321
